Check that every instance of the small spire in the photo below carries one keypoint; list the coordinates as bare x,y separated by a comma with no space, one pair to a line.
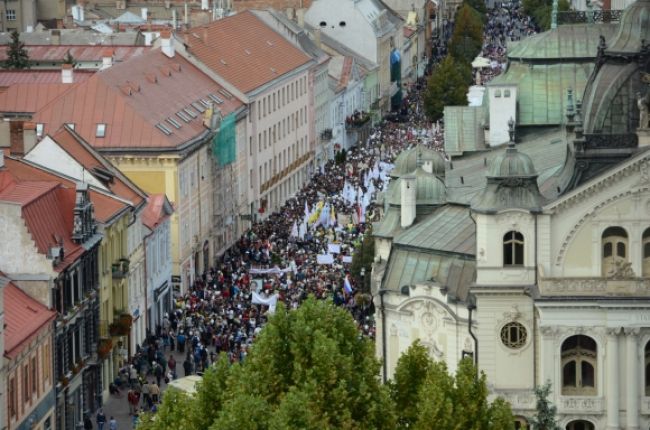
570,108
511,132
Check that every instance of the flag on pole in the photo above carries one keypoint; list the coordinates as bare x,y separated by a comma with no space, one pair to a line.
294,230
346,285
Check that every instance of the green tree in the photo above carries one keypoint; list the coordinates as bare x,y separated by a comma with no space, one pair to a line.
546,411
540,11
411,371
363,257
460,402
17,57
447,86
172,413
308,369
479,6
467,39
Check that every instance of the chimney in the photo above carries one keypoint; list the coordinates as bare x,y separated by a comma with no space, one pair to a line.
186,17
205,4
174,19
317,37
166,43
204,34
29,136
55,37
300,17
143,13
107,58
407,200
67,74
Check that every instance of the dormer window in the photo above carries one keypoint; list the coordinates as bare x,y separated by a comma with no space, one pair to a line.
39,129
70,125
506,93
513,249
497,93
101,130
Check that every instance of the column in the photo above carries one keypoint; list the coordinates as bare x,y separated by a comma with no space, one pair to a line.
612,378
632,377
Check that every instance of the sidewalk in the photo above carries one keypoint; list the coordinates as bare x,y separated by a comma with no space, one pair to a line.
118,407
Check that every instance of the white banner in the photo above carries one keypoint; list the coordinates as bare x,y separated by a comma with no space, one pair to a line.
271,302
334,248
347,259
325,259
273,271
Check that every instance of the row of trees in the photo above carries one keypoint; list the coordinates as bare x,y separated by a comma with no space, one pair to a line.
450,80
541,10
310,369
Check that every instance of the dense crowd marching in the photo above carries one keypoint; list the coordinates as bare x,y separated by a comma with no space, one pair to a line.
229,304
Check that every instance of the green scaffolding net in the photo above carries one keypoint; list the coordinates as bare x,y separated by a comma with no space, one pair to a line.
224,143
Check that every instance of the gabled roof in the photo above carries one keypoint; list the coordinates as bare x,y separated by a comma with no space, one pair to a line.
11,77
47,209
244,50
135,101
99,166
25,317
157,210
86,53
29,97
106,207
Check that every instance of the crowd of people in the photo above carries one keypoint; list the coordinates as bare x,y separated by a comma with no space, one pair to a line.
225,309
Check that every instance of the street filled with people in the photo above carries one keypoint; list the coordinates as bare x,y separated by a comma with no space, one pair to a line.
303,248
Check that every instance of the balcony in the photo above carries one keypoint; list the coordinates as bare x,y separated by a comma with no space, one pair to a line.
120,269
121,325
326,134
356,121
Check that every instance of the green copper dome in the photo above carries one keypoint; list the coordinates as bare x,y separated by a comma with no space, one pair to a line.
430,190
511,163
407,161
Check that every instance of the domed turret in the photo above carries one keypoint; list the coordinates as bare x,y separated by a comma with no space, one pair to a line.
409,160
429,189
511,182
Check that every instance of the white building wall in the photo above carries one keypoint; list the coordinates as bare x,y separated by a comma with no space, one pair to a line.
159,271
503,107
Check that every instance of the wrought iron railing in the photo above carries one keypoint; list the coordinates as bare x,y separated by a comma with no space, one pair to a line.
586,16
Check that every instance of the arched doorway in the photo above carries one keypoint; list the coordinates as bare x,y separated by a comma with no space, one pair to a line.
580,425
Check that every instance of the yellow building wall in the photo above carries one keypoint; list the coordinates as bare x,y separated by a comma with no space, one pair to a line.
156,174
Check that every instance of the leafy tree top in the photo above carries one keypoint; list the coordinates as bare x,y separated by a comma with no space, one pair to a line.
447,86
546,411
17,57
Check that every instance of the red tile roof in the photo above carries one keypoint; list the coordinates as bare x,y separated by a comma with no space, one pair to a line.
25,317
30,97
47,209
105,206
10,77
154,212
86,53
90,159
132,99
244,50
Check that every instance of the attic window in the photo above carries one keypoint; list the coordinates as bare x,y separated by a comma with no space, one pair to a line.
268,42
205,103
497,93
185,117
173,122
342,24
215,98
101,130
164,129
198,107
190,112
323,24
222,61
506,93
225,93
39,129
70,125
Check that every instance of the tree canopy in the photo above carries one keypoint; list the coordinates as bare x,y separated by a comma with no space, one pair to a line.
544,419
427,397
309,369
540,11
467,39
17,57
447,86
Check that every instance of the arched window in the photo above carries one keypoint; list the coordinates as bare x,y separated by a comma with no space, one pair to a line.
513,249
521,423
614,249
580,425
646,252
579,361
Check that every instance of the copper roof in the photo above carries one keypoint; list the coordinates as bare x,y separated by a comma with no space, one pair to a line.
244,50
105,206
24,318
11,77
154,213
56,54
91,160
47,209
31,97
139,101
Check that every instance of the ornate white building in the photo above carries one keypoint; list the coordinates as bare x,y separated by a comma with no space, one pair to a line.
535,257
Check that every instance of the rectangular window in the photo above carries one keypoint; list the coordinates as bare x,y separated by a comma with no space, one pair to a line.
101,130
34,377
250,145
39,129
26,390
13,401
274,102
11,14
251,176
